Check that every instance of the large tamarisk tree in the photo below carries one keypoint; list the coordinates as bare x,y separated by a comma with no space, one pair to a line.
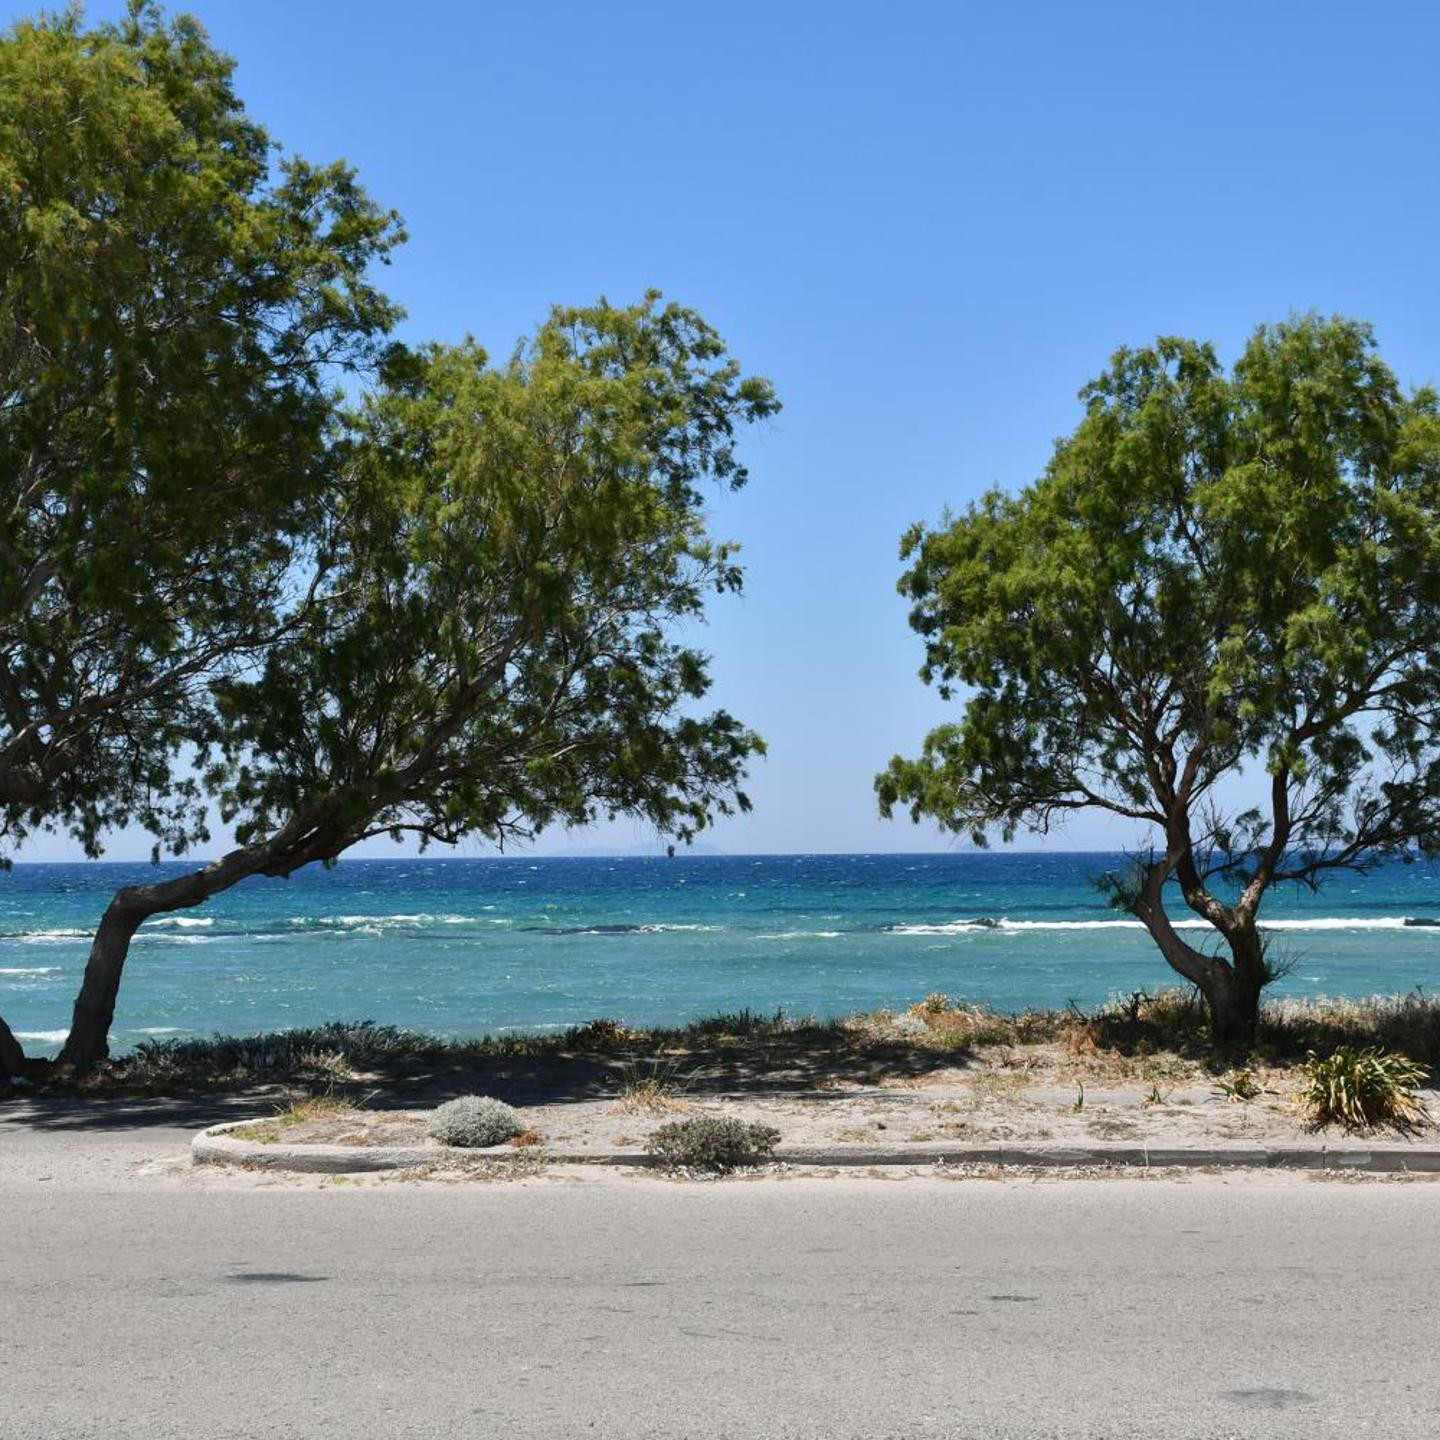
176,303
1217,615
493,648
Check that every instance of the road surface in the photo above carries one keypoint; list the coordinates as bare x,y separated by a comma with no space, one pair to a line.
140,1301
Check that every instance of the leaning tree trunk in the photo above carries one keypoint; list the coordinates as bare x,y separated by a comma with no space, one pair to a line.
12,1057
89,1040
310,835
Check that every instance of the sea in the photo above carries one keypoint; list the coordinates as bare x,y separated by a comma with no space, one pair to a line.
465,947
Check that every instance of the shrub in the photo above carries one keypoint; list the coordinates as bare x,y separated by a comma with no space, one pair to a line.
474,1120
713,1143
1361,1088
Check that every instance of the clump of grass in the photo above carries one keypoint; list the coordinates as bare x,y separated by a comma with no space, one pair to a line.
953,1025
652,1087
1361,1089
317,1107
714,1144
474,1121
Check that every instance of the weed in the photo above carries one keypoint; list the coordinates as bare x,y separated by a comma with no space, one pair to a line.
931,1006
1079,1097
1242,1087
1363,1088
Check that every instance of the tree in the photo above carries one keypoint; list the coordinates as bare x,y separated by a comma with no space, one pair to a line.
1219,582
176,305
492,647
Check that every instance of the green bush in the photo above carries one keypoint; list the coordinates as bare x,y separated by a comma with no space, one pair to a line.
712,1143
1363,1088
474,1120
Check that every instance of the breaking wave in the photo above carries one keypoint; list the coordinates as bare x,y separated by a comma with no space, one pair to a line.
1319,922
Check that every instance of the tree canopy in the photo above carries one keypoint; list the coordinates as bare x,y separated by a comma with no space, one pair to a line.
494,641
1221,581
177,301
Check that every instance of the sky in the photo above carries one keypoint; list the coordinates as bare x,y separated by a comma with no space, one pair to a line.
927,224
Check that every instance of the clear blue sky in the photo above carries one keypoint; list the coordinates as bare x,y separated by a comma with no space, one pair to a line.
929,224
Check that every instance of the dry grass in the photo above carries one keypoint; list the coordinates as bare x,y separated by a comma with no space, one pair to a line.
1158,1040
455,1169
653,1087
300,1113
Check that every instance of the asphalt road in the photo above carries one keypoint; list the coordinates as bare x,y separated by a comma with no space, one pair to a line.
138,1302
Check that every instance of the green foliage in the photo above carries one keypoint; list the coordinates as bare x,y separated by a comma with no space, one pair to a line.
489,642
493,650
712,1144
1216,574
1363,1088
474,1121
176,302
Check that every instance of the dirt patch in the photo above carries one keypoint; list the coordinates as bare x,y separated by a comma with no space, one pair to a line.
309,1123
1039,1093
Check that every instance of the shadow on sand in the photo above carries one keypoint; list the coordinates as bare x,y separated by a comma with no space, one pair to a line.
823,1062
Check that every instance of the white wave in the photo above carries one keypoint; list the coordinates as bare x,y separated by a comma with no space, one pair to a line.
1341,922
181,922
47,937
1320,922
376,922
802,935
28,969
42,1037
158,1030
666,929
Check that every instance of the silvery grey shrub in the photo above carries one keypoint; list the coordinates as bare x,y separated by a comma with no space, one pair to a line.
474,1120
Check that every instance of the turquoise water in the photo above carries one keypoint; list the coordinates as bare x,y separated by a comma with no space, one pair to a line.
461,947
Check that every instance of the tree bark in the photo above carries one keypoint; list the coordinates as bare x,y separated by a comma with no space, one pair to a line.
1233,994
89,1040
12,1057
1231,988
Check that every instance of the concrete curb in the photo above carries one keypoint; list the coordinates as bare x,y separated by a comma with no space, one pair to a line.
216,1146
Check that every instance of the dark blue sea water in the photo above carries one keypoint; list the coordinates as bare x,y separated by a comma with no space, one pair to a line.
462,947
